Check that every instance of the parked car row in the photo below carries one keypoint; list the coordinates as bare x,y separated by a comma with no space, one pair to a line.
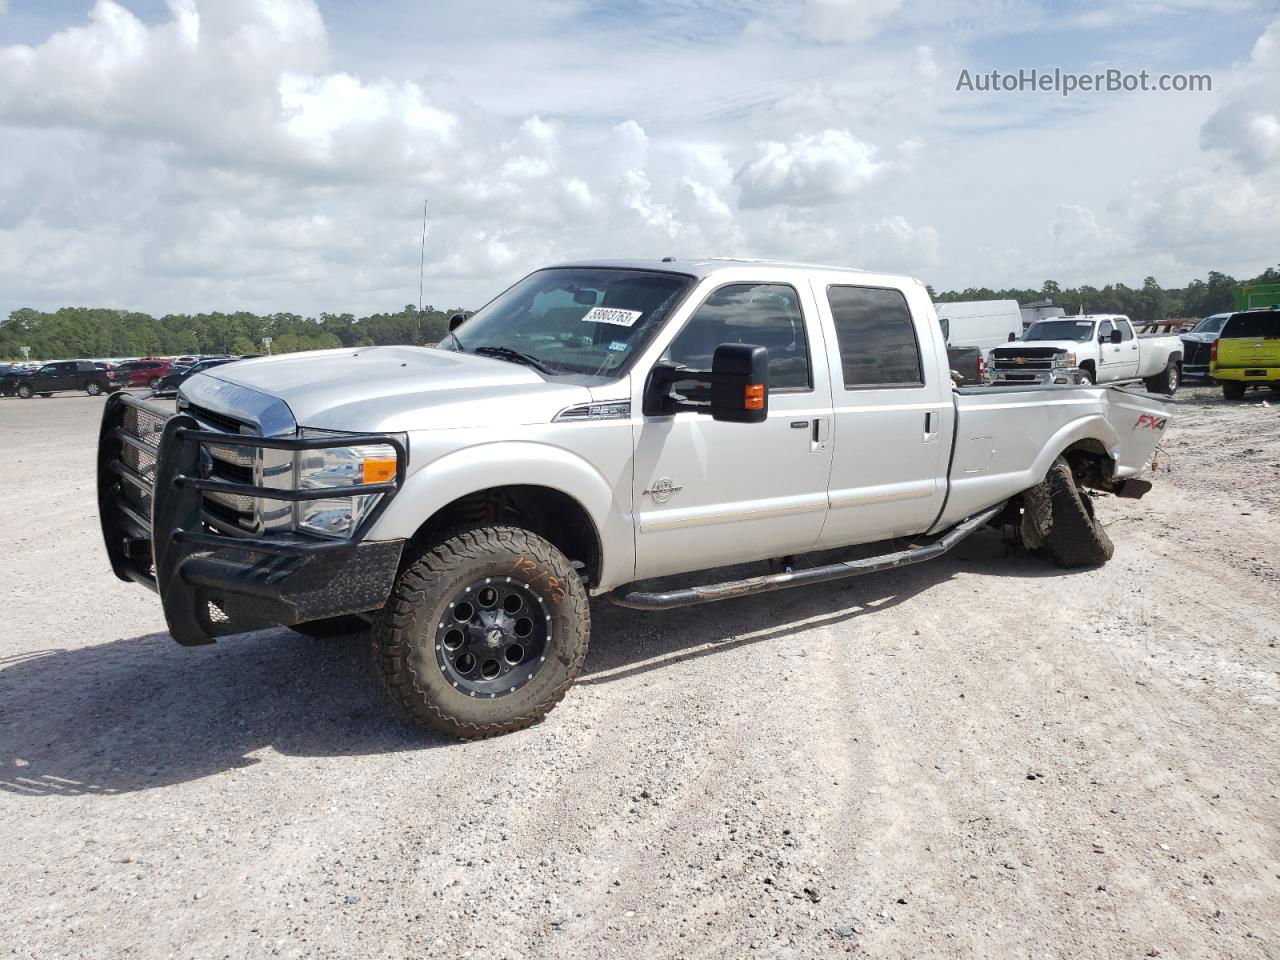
96,377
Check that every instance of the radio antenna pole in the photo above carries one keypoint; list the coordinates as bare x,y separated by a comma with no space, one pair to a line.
422,257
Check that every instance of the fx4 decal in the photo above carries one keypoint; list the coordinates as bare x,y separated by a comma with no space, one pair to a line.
1150,422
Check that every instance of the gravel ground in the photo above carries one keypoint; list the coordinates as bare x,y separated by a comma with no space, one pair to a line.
981,756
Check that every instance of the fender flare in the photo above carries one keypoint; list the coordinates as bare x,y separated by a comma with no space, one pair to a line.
1091,427
504,463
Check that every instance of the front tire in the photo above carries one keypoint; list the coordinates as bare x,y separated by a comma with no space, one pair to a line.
1058,521
1233,389
483,632
153,382
1087,377
1166,381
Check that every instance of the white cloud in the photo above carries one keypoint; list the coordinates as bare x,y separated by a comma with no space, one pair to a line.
809,171
1247,125
847,20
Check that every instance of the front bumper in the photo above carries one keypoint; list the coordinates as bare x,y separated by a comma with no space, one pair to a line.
1002,377
151,503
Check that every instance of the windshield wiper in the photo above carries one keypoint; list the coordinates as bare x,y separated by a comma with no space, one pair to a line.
515,356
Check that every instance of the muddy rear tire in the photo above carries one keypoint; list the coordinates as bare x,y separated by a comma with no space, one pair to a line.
1233,389
1058,521
484,632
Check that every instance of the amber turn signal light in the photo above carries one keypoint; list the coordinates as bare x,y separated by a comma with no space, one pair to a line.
753,396
379,469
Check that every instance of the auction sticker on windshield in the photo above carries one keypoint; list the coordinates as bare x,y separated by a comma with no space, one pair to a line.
619,318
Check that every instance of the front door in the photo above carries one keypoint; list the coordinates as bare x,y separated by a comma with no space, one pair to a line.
709,493
1110,363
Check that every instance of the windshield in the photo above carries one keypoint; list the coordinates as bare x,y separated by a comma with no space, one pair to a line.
1077,330
1209,325
575,320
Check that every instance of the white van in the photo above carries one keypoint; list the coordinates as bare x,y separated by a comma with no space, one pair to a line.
980,323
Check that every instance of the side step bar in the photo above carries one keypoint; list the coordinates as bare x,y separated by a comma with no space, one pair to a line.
780,581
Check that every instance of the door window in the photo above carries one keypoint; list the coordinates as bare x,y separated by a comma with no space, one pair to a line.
1104,329
1126,331
877,339
762,314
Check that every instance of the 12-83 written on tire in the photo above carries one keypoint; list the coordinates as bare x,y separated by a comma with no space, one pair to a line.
483,632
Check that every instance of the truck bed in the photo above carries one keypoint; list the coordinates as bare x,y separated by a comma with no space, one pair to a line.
1006,438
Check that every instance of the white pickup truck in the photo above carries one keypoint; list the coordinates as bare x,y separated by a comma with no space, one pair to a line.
1097,348
594,426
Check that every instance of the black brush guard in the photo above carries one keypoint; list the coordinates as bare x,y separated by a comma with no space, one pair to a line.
150,502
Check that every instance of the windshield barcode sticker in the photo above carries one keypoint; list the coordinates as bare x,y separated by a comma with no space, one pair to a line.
619,318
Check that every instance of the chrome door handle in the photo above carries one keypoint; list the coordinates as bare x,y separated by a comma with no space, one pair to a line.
821,435
930,426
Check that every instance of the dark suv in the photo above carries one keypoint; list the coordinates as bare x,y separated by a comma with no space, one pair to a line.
69,375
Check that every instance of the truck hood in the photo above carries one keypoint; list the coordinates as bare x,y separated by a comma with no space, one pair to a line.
1021,346
393,389
1199,337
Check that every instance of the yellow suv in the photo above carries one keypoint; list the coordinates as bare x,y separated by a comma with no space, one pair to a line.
1247,352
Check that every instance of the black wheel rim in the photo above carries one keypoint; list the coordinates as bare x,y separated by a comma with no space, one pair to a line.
493,637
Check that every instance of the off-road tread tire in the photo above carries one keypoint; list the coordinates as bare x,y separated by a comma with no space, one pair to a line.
1162,382
332,626
430,580
1234,389
1058,521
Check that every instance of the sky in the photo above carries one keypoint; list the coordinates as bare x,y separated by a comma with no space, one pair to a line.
275,155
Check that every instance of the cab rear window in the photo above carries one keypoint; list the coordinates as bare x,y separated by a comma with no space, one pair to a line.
1258,324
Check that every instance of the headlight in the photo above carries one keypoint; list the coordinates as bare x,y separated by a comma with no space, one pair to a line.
1066,360
340,467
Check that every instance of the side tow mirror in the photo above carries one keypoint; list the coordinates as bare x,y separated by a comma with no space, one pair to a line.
740,383
734,390
1012,336
1115,336
457,320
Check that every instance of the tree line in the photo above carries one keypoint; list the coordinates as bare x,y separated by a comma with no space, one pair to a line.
98,332
1148,303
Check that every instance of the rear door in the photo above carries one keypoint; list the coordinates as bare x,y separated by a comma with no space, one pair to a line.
893,415
709,493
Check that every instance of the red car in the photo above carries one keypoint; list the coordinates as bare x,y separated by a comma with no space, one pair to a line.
146,373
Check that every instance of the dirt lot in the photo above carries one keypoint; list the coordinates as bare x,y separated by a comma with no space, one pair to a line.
981,756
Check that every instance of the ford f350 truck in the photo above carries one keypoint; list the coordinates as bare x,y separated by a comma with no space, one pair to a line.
595,426
1101,348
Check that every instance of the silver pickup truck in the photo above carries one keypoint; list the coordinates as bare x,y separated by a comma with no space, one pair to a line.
595,426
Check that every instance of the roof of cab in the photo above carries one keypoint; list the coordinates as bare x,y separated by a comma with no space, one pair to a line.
706,266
